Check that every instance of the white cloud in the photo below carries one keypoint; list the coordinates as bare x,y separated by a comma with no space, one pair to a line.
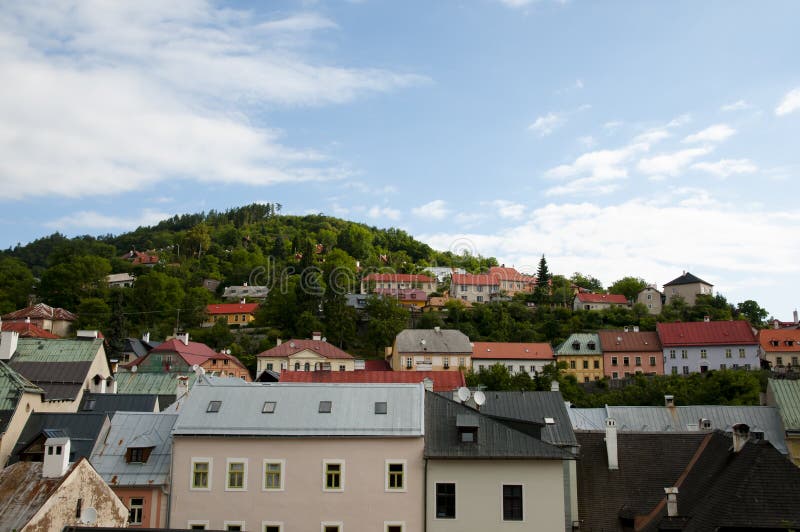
507,209
790,103
679,121
738,105
587,141
715,133
727,167
95,221
381,213
671,164
435,210
105,98
612,125
545,125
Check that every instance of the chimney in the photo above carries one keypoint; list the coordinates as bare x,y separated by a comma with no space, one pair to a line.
672,501
56,457
183,386
87,334
669,401
242,301
146,337
278,342
428,383
611,444
27,319
625,328
741,433
8,344
437,329
795,317
635,328
706,318
554,386
183,337
316,336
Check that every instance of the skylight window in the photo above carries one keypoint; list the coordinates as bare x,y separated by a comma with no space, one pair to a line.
325,407
214,406
380,407
269,407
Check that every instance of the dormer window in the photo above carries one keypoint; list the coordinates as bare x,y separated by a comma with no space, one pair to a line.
467,426
269,407
89,405
380,407
138,455
325,407
214,406
576,345
591,346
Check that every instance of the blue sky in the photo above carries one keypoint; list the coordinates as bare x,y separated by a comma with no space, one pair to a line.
616,138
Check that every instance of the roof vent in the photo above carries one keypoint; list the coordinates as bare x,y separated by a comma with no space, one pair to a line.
669,400
380,407
214,406
269,407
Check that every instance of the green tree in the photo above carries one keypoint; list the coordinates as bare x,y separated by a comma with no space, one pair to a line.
16,284
197,239
587,281
628,286
541,293
752,312
386,319
93,313
356,240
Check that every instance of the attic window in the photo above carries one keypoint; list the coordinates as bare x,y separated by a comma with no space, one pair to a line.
576,345
549,421
269,407
325,407
591,346
380,407
214,406
138,455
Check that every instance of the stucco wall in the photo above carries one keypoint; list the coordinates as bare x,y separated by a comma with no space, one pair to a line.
715,356
479,494
364,504
28,403
154,512
515,363
687,291
632,368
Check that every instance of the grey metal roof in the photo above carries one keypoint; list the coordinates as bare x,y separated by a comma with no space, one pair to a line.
150,383
535,407
494,439
118,402
84,431
433,341
297,410
764,419
59,380
786,395
136,429
582,340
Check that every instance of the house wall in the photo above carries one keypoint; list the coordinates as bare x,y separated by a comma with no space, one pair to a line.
229,369
715,357
650,298
372,286
528,366
314,361
432,361
154,512
579,371
473,293
577,304
238,318
687,291
83,483
786,358
620,368
363,504
793,443
27,404
479,494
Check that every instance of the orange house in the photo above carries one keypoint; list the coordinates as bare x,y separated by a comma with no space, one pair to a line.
235,313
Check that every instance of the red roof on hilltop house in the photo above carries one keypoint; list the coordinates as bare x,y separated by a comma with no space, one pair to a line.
481,279
513,350
291,347
511,274
193,353
788,340
41,311
629,341
28,330
706,333
617,299
398,278
443,381
232,308
140,257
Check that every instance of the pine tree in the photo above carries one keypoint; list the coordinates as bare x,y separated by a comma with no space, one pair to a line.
543,276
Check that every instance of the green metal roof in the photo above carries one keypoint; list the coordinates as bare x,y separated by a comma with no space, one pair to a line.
12,384
62,350
787,397
150,383
583,340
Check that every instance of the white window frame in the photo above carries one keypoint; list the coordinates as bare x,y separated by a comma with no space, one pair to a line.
200,460
228,463
240,523
386,487
325,488
387,524
194,522
323,524
265,524
266,461
138,507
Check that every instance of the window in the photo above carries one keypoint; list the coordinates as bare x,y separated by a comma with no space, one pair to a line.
586,379
341,367
225,362
684,353
652,361
331,527
613,361
395,475
674,370
272,527
794,361
479,288
409,362
137,455
728,353
741,353
703,353
649,296
481,367
269,366
462,362
521,368
89,405
510,368
380,407
585,364
201,474
779,361
269,407
307,366
638,361
273,475
136,510
747,367
445,500
236,526
533,369
297,366
591,346
596,364
393,527
325,407
512,502
214,406
626,361
198,525
722,366
685,370
237,473
571,364
671,353
615,375
334,475
446,362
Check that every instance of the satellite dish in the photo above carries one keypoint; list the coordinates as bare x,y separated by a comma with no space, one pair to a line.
227,351
89,516
479,397
134,369
463,394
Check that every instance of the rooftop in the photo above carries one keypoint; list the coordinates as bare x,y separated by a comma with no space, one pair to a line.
433,341
24,492
292,347
615,299
731,332
512,350
443,381
686,278
27,330
630,341
579,344
41,311
787,340
231,308
787,398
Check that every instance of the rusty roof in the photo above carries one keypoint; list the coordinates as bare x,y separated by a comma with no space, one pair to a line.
23,492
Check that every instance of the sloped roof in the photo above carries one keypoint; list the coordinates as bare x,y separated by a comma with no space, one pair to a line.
137,347
494,439
583,340
511,274
614,299
27,330
443,381
146,383
398,278
787,398
57,350
482,279
136,429
764,419
41,311
83,430
231,308
24,492
731,332
512,350
297,410
292,347
111,403
686,278
191,353
782,336
433,341
12,386
534,407
626,342
59,380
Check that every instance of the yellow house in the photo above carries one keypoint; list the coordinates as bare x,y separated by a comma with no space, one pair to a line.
583,357
430,350
304,355
234,313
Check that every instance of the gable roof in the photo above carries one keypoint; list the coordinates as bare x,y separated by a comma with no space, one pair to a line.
61,381
136,429
191,353
292,347
111,403
482,279
614,299
297,412
161,384
57,350
687,278
494,439
83,429
624,342
398,278
27,330
24,492
432,341
732,332
503,273
231,308
12,386
582,340
787,398
512,350
782,336
443,381
41,311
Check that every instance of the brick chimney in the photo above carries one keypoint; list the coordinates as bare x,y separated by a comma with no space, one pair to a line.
741,433
183,337
611,444
56,457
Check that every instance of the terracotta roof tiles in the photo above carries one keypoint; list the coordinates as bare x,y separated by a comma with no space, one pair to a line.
512,350
443,381
291,347
706,333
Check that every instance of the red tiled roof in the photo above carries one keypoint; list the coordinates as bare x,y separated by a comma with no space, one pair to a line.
511,274
140,257
290,347
41,311
617,299
781,336
706,333
483,279
443,381
194,353
612,341
28,330
232,308
512,350
376,365
398,278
